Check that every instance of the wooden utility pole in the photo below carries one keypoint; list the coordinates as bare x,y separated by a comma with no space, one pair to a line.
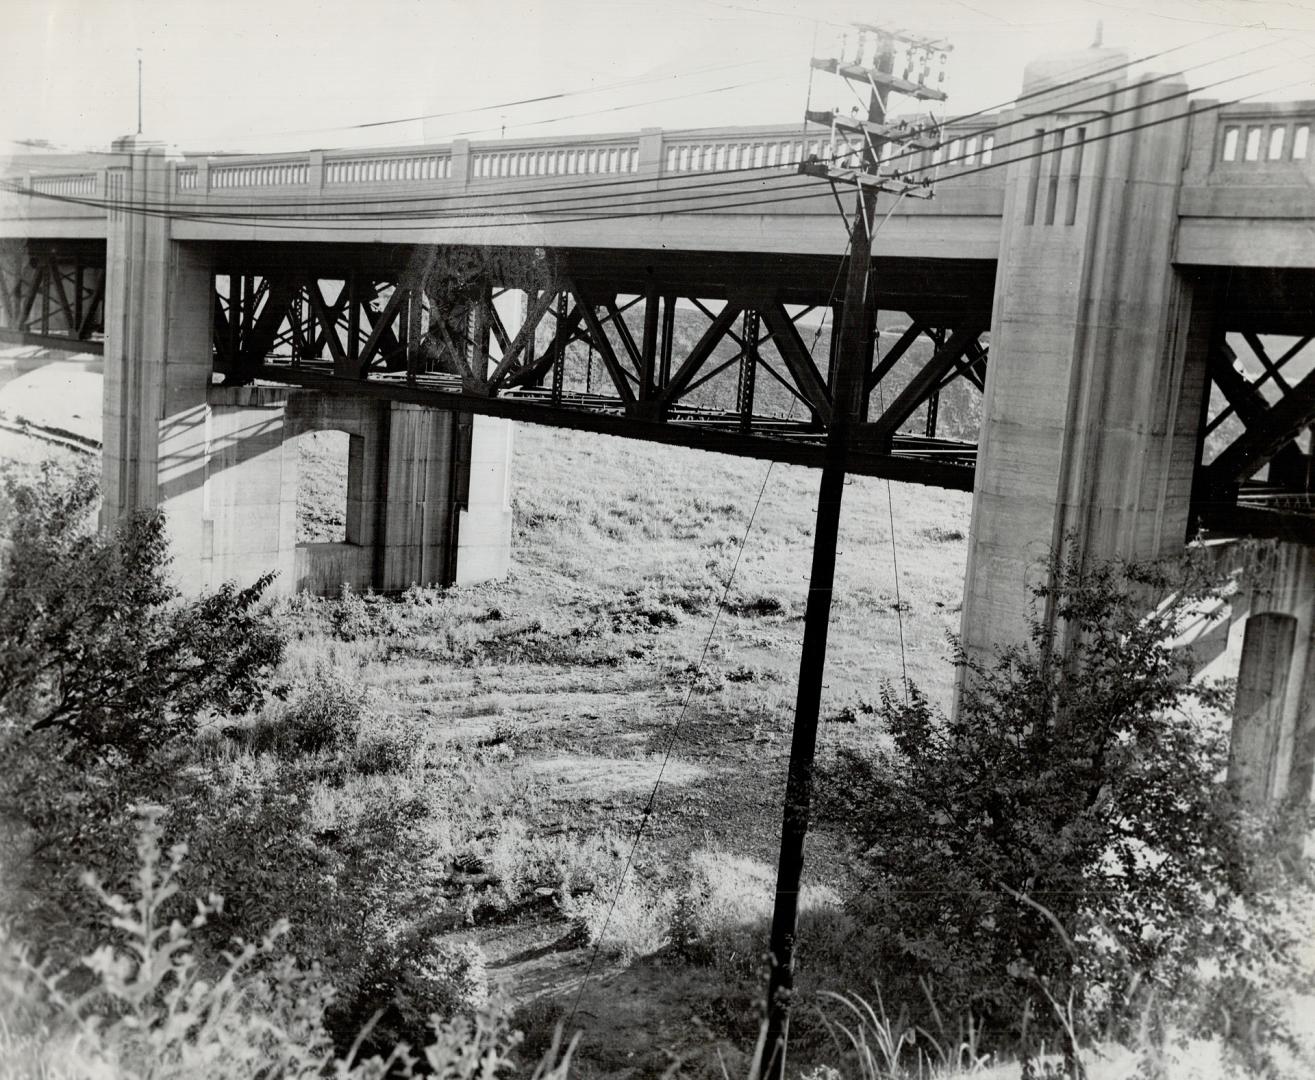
847,397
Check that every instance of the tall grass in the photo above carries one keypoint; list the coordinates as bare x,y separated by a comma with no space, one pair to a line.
150,1014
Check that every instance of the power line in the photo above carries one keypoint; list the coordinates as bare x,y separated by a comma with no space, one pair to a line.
1185,115
612,184
518,215
689,694
412,219
586,182
514,103
260,211
959,119
418,221
425,222
1100,95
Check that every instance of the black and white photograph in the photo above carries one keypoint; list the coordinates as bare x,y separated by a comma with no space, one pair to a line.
669,540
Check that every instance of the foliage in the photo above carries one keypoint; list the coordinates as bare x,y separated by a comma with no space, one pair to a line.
109,676
1064,845
324,713
627,920
404,980
61,818
97,642
153,1012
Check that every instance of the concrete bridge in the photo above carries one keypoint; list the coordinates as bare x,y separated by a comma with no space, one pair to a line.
1126,276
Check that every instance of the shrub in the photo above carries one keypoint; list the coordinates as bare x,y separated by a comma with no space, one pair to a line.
389,746
153,1013
568,865
98,643
60,818
1066,839
404,980
324,713
632,921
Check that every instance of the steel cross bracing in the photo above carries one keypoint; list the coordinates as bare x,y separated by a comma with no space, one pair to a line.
1256,470
53,295
735,373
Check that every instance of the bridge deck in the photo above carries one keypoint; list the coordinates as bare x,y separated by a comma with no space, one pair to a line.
1245,198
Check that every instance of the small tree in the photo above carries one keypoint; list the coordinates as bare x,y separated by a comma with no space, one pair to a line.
104,670
1066,838
96,640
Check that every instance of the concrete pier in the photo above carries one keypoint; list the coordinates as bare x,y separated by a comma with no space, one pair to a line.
428,490
1097,351
1273,750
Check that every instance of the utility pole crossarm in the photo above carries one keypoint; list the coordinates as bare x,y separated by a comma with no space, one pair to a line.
919,138
892,185
882,80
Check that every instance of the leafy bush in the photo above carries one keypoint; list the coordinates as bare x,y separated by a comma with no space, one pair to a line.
567,865
628,922
108,677
60,818
153,1012
324,713
406,979
97,641
1065,843
388,746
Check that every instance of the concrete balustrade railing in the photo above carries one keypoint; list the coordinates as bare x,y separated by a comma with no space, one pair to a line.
1230,151
741,152
1267,144
258,174
390,168
76,184
653,152
593,160
1264,140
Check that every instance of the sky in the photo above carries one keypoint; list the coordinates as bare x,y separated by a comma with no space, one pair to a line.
268,75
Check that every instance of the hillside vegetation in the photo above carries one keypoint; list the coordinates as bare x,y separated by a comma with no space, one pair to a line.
456,790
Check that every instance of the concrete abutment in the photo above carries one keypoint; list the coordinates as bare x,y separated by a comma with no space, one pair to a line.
1095,396
428,490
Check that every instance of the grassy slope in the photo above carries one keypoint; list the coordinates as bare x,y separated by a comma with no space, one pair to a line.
556,693
583,659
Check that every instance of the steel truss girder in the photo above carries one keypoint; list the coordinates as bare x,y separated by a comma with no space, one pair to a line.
52,295
447,335
1226,498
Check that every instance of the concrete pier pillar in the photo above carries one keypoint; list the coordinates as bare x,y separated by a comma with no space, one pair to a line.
1262,690
421,497
1098,346
1273,747
484,526
427,490
158,329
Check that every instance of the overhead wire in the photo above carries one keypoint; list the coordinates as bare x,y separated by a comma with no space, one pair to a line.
958,119
1183,115
516,102
469,220
216,212
721,607
517,218
1122,65
723,176
517,215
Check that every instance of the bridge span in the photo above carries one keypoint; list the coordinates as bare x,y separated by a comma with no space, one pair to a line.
1124,277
